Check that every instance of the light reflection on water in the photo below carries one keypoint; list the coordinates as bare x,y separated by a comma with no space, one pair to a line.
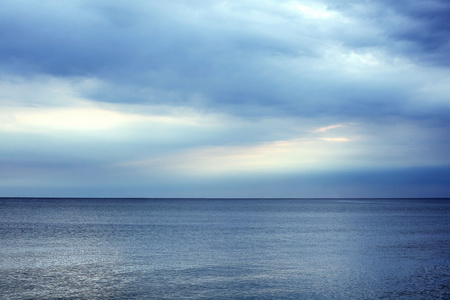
224,249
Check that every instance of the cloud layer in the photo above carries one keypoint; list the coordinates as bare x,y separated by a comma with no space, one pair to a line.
189,98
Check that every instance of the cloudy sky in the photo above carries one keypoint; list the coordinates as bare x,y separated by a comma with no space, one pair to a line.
248,98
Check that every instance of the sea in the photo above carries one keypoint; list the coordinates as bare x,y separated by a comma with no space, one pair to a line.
224,248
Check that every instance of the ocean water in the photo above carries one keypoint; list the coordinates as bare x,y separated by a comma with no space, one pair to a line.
224,249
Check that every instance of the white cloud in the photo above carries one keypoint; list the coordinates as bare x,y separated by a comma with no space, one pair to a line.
63,119
326,128
313,9
335,139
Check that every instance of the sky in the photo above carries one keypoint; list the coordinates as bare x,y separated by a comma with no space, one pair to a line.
267,98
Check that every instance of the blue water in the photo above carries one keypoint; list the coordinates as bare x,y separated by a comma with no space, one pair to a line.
224,249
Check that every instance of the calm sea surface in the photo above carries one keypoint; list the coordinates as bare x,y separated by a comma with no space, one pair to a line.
224,249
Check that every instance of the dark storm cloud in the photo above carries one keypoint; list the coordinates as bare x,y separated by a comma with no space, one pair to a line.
429,28
419,30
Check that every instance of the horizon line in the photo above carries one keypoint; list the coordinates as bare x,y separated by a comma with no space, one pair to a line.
220,198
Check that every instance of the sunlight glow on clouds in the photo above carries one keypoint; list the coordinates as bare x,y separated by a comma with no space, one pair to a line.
323,129
80,119
40,113
278,156
89,118
335,139
313,10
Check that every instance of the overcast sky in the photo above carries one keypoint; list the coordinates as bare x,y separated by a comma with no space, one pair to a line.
248,98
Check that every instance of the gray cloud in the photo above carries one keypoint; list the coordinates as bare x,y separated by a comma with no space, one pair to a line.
418,30
249,53
257,56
